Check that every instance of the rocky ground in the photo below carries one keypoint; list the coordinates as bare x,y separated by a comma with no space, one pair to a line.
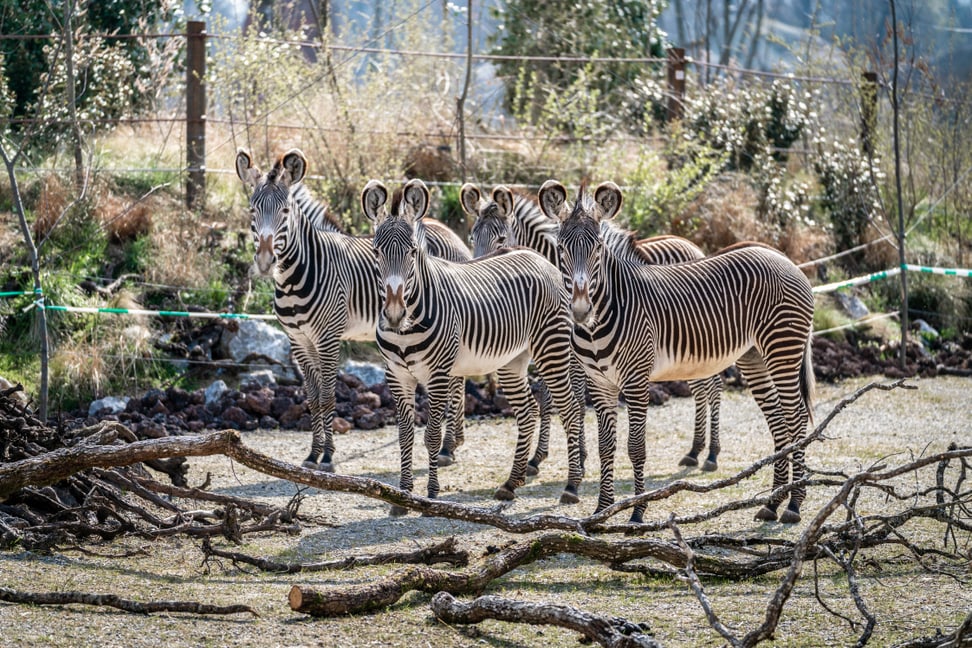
258,401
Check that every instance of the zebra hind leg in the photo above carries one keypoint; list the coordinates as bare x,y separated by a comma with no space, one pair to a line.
545,403
513,380
455,421
715,402
691,459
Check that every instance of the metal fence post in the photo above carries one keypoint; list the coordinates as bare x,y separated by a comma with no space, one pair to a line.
195,113
676,82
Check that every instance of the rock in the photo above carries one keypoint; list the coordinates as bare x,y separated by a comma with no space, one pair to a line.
114,404
369,372
341,425
254,338
678,388
215,391
291,418
258,402
260,378
279,405
369,399
235,415
852,305
370,421
177,398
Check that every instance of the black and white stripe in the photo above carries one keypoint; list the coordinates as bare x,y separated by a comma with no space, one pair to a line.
510,217
325,288
637,323
441,320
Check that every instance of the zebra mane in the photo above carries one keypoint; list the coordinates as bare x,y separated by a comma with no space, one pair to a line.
316,211
419,230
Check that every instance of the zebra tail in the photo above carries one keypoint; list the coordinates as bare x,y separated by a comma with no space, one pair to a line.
808,381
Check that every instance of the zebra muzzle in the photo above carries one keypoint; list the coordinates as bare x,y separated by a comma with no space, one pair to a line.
580,304
264,257
393,311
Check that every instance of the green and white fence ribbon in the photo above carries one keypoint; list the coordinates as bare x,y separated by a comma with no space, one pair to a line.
948,272
890,272
857,281
156,313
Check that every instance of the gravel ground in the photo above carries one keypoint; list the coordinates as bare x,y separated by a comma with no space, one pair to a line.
907,600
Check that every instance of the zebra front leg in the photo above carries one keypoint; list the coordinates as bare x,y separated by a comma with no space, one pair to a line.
605,398
545,405
440,395
512,378
321,437
403,389
637,418
455,422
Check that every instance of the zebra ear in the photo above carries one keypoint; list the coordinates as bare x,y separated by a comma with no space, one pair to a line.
503,198
245,169
416,195
469,197
295,164
608,197
553,198
373,199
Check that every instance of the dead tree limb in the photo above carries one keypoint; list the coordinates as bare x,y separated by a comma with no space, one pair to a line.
440,552
112,600
52,467
611,632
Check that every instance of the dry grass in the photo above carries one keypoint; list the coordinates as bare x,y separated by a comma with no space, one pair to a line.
908,600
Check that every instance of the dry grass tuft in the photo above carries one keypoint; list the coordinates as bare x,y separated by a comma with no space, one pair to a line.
123,220
55,195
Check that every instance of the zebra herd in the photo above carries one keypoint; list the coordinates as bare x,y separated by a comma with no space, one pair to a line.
554,282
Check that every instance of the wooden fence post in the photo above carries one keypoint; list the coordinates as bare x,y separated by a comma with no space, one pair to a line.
195,113
676,82
869,95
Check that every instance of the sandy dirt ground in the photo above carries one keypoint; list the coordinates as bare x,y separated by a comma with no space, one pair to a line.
890,427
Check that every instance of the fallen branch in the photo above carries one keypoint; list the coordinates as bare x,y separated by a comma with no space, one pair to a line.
441,552
112,600
611,632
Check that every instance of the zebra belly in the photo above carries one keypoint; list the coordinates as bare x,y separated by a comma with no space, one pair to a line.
472,363
668,367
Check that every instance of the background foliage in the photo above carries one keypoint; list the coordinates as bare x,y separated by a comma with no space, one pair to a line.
777,160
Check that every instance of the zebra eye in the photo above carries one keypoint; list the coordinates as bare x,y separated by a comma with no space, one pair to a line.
285,210
501,240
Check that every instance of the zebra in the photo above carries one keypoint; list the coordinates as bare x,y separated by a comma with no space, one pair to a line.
746,304
514,218
441,319
325,289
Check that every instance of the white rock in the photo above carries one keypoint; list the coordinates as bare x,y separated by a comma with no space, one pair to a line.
215,391
115,404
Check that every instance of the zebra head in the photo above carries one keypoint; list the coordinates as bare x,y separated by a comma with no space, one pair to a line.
580,243
396,244
271,203
492,219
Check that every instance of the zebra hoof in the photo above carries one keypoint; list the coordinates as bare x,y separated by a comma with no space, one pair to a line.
569,496
789,516
311,465
709,466
766,514
504,493
446,459
532,470
637,518
689,460
397,511
326,466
